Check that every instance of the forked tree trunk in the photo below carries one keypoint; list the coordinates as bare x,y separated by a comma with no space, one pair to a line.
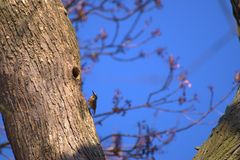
224,141
45,114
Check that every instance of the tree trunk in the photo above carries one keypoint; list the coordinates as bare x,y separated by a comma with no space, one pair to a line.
45,114
224,141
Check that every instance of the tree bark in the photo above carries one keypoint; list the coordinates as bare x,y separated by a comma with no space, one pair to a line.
224,141
44,112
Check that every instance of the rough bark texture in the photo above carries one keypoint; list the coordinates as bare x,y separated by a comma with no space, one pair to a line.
45,114
224,141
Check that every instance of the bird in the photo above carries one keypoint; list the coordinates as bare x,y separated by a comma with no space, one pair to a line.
236,13
92,102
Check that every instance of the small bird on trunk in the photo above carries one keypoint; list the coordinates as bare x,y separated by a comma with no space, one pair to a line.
92,102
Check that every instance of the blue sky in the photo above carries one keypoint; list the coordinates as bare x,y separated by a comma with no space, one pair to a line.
202,35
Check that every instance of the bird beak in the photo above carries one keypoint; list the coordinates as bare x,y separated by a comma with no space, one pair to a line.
94,93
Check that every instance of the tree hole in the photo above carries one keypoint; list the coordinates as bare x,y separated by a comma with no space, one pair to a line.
76,73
